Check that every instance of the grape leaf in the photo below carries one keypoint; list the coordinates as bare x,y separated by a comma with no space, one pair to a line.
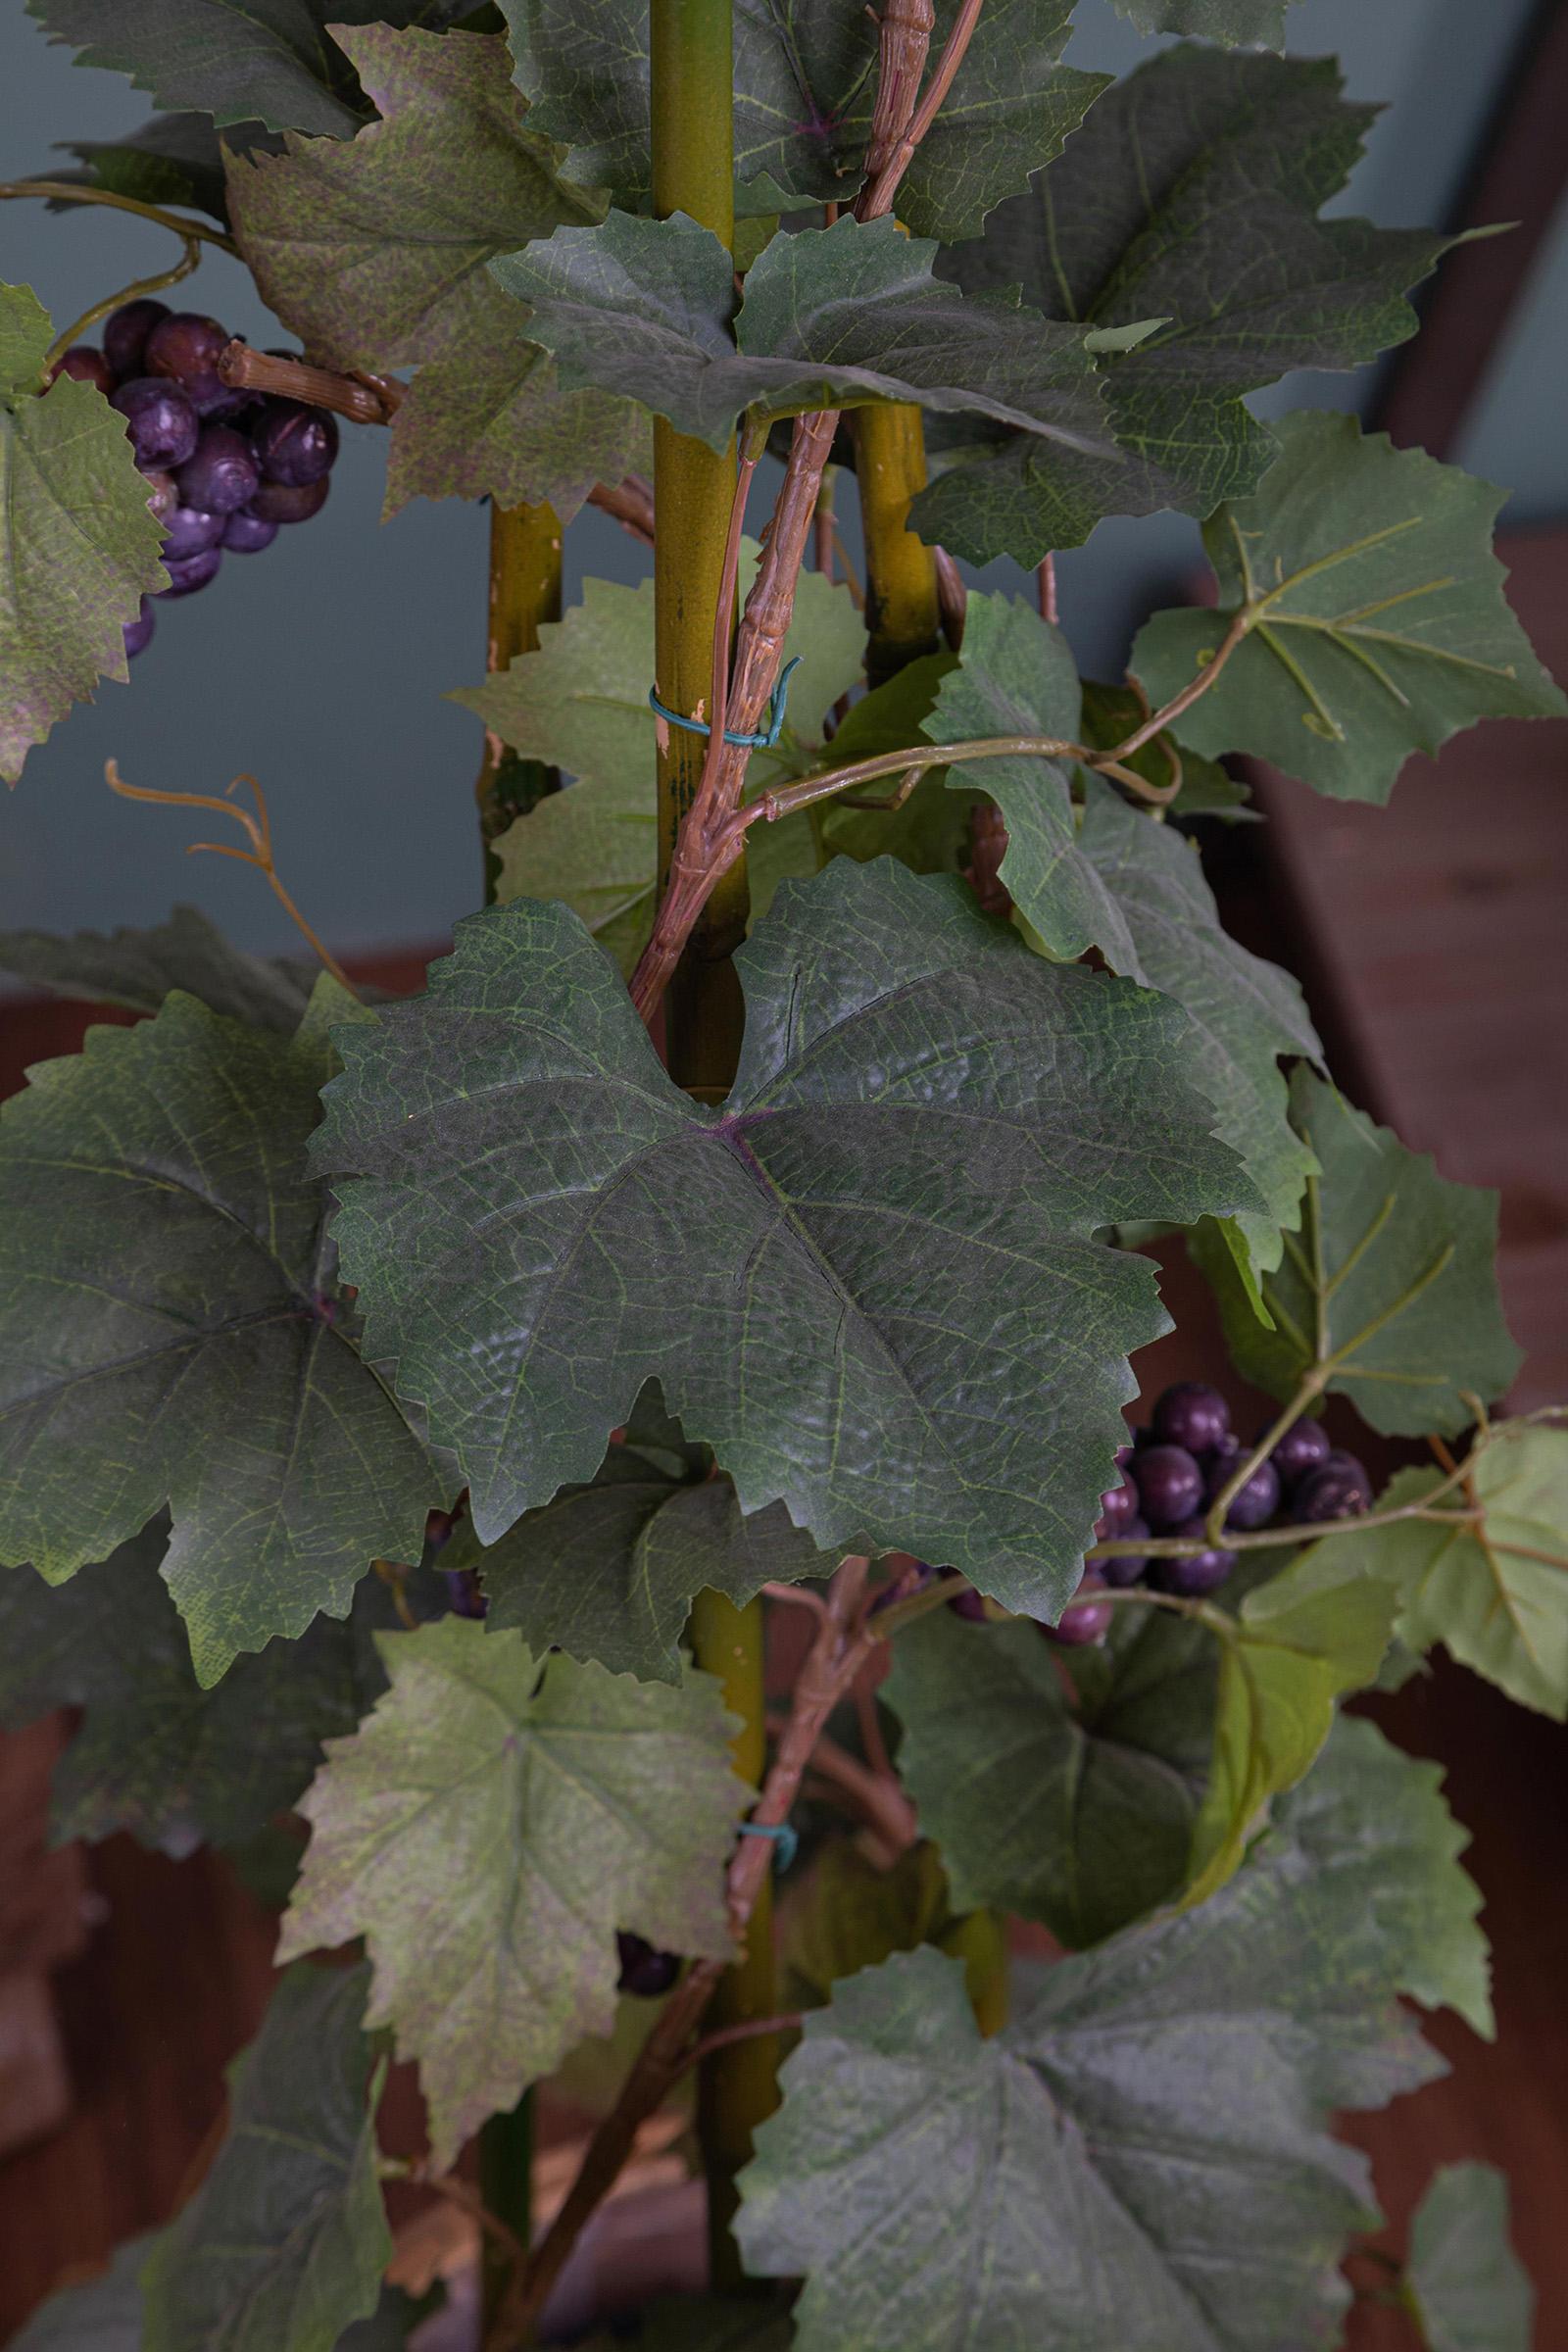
138,968
102,2316
1472,2293
609,1570
844,1914
868,1282
1111,714
171,1332
1141,2162
487,1830
1231,20
80,544
805,83
1375,620
1391,1289
830,317
1071,1807
174,159
1190,196
283,2244
155,1753
1493,1595
373,252
704,2323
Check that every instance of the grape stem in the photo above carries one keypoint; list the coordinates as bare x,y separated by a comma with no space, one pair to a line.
189,260
65,191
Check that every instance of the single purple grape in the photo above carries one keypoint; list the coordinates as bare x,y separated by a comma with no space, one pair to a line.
1198,1572
220,474
1117,1506
1169,1482
1084,1620
162,494
1192,1415
286,502
1124,1568
193,572
970,1607
138,632
1305,1446
126,333
85,363
644,1969
294,443
1337,1489
160,419
188,531
187,347
246,534
1254,1503
463,1597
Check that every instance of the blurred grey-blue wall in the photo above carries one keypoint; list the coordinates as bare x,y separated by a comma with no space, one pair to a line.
321,666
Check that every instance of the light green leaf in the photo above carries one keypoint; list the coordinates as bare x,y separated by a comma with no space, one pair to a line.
374,250
1472,2293
1071,1805
138,969
171,1332
868,1282
1375,620
1390,1287
488,1829
806,79
81,545
1141,2162
283,2244
1192,192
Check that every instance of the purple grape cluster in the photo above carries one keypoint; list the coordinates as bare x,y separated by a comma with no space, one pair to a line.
226,468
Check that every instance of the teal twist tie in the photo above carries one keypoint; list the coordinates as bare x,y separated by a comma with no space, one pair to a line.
786,1845
776,704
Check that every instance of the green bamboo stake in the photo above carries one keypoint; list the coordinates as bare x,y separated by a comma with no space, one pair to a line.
902,615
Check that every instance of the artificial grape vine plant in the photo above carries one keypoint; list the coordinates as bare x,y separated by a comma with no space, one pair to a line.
417,1416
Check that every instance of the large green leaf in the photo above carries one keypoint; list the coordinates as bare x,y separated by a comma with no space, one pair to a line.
374,252
488,1829
609,1570
171,1332
283,2245
138,968
1375,620
1072,1804
805,82
155,1753
80,544
1141,2162
1389,1293
868,1282
1472,2293
1190,196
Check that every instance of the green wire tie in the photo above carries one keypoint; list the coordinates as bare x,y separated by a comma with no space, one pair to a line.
786,1845
778,700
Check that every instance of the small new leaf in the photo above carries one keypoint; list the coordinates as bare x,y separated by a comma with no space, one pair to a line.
1472,2293
487,1830
1389,1292
80,544
1375,623
283,2245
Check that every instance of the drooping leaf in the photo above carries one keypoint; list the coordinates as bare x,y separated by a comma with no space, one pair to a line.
156,1753
868,1282
1190,196
1075,1810
283,2245
1230,21
80,544
174,159
1111,714
1472,2293
805,83
830,317
487,1830
102,2316
140,969
1376,624
1141,2162
171,1332
373,251
1391,1284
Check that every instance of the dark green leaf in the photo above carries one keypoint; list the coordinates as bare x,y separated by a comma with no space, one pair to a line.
174,159
1141,2162
1077,1810
283,2245
138,969
705,2324
868,1282
1391,1289
375,253
1472,2293
1376,622
80,546
1111,714
171,1332
844,1914
488,1829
